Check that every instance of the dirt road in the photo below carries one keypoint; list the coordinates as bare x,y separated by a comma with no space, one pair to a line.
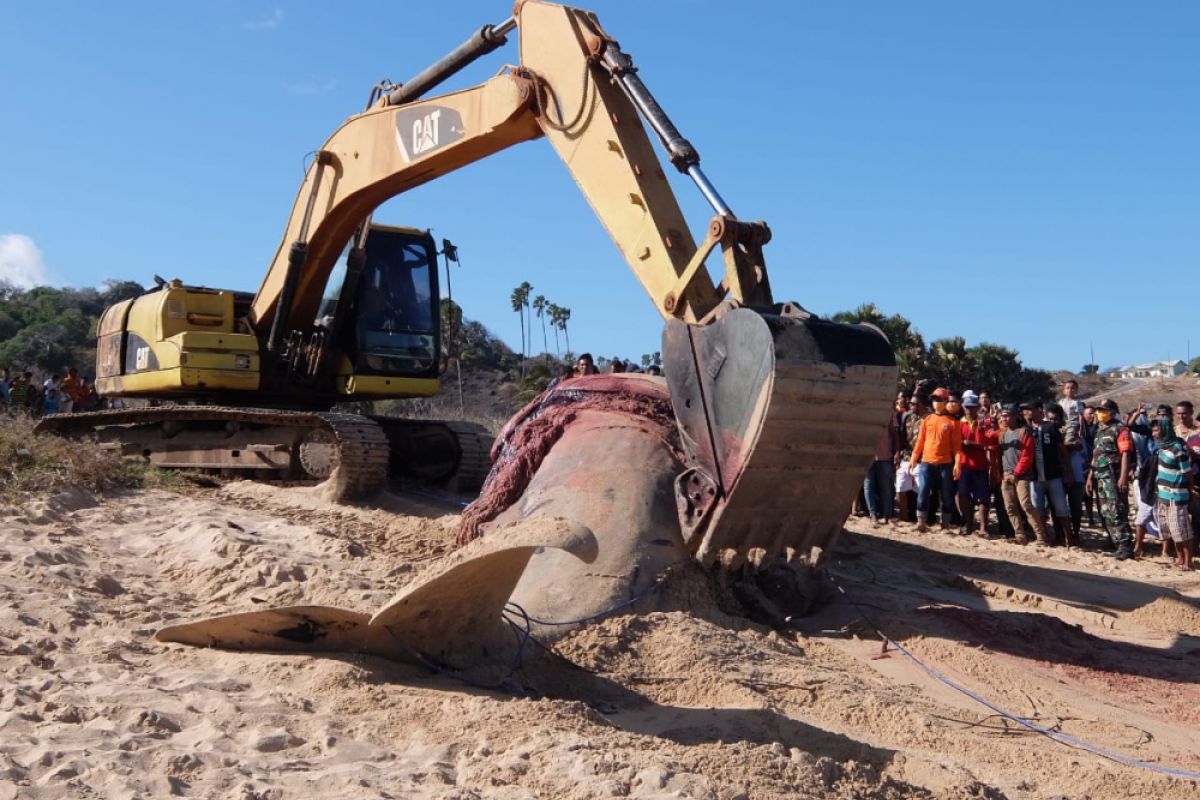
686,700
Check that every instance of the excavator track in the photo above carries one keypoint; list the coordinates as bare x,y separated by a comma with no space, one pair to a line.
362,449
454,454
354,452
475,456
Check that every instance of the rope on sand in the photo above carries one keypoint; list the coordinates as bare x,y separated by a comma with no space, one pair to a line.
522,623
1062,738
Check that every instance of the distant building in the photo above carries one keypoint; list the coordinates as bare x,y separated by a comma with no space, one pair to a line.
1159,369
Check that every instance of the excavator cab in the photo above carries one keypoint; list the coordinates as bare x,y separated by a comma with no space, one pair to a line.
381,312
395,331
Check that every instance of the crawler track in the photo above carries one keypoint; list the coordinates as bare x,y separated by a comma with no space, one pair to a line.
356,453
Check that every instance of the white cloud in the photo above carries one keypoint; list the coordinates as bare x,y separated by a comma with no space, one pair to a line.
264,23
21,263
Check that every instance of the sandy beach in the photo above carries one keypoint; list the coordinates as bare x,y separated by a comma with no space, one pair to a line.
683,699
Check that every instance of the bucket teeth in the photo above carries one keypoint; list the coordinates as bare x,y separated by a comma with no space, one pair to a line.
780,415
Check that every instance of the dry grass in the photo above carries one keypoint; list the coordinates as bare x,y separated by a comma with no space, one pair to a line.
40,464
444,408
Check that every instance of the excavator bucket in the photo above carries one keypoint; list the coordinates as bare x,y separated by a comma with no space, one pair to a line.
780,414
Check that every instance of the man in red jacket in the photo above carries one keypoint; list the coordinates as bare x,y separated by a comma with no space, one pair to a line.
974,481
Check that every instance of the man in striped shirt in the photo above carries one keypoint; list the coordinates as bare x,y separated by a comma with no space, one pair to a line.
1175,490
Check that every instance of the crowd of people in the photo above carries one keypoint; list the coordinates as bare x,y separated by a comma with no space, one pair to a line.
950,458
586,365
21,393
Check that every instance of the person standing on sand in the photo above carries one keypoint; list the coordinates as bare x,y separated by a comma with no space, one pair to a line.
1077,465
1187,430
1053,471
937,449
999,422
1087,434
1016,458
974,481
1175,488
881,477
909,429
1111,465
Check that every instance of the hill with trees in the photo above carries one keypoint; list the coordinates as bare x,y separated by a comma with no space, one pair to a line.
48,329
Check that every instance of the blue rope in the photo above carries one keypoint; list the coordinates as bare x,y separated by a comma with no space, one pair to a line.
1053,734
523,630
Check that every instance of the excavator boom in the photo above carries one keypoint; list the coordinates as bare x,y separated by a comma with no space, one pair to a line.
574,87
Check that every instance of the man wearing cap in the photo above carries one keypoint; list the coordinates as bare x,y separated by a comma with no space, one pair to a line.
937,450
974,480
1109,479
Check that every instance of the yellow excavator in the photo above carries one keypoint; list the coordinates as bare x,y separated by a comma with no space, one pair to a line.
778,410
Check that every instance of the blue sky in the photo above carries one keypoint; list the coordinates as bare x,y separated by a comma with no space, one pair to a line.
1026,173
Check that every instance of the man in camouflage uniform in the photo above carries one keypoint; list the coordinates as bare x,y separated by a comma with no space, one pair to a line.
1109,478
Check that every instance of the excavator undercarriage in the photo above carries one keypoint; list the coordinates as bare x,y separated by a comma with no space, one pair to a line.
357,454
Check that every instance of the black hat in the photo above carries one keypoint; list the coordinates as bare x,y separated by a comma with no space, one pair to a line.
1029,405
1110,405
1011,408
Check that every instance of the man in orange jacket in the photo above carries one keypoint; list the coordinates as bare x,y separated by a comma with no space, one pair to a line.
938,447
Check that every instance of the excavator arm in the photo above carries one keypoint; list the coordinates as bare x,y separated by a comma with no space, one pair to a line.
779,411
570,88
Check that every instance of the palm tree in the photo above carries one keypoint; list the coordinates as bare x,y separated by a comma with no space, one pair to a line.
555,312
953,365
566,316
518,305
540,305
526,287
